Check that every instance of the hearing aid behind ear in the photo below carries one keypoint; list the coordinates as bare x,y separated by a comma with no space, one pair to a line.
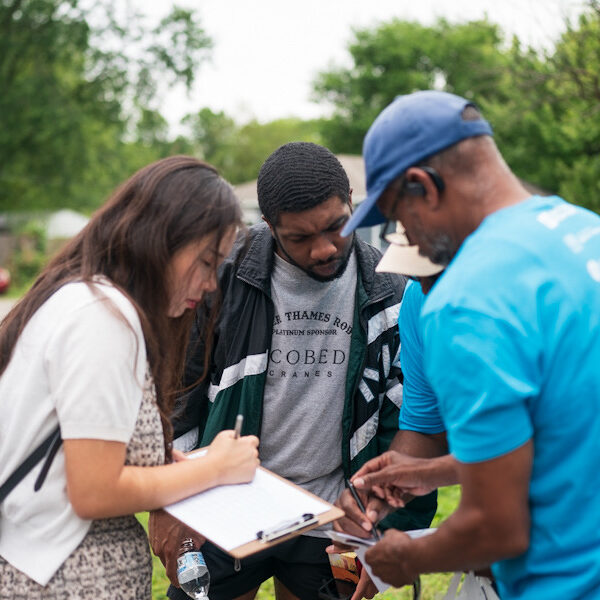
414,188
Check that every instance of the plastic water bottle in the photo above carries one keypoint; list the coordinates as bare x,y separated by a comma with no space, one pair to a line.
192,572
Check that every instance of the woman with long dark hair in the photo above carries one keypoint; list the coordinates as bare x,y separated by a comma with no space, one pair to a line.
97,346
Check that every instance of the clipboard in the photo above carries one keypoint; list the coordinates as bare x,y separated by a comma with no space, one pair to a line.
242,528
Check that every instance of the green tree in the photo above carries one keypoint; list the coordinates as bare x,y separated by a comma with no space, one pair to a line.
256,141
544,106
213,135
571,161
75,77
238,151
547,127
400,57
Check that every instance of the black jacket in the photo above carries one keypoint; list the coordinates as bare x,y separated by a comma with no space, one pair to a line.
240,359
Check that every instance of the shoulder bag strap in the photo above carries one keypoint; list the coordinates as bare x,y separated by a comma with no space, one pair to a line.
48,448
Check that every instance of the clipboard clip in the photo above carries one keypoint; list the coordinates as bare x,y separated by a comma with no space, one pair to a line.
286,527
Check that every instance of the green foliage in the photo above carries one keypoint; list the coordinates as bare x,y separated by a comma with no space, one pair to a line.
71,91
256,141
80,79
213,135
179,46
544,107
30,256
548,128
399,57
238,151
573,92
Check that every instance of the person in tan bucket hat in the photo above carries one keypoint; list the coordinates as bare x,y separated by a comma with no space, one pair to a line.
419,449
403,258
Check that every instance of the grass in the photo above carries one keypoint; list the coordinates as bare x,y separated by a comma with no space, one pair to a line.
433,585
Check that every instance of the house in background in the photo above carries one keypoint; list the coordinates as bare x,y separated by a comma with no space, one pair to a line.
61,226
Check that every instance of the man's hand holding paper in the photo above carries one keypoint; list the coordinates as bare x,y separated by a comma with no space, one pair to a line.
385,560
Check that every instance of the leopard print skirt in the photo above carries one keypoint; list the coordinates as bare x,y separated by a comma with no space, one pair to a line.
113,561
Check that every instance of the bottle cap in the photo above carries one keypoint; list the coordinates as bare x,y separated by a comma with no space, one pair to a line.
187,545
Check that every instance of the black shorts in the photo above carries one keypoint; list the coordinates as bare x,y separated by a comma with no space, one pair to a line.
301,564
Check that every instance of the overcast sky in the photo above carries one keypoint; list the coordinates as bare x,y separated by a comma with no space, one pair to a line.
267,52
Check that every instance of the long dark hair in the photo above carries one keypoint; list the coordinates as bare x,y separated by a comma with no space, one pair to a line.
131,241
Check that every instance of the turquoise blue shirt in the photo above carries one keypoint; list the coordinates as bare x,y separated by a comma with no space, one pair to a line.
512,350
419,410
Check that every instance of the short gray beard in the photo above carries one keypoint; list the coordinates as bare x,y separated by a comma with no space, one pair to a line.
442,250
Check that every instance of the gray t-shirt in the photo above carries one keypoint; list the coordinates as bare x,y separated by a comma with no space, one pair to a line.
301,437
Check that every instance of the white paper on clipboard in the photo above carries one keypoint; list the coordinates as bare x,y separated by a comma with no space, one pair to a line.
231,515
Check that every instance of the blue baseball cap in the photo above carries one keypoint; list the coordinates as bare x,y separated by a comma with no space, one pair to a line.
410,129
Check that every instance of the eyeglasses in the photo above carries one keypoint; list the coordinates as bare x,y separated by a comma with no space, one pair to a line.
414,188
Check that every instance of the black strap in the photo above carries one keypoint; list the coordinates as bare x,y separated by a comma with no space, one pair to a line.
48,449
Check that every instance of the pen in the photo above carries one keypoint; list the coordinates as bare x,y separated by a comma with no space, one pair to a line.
287,527
362,507
238,425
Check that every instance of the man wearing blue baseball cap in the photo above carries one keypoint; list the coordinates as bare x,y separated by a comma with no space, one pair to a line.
511,334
